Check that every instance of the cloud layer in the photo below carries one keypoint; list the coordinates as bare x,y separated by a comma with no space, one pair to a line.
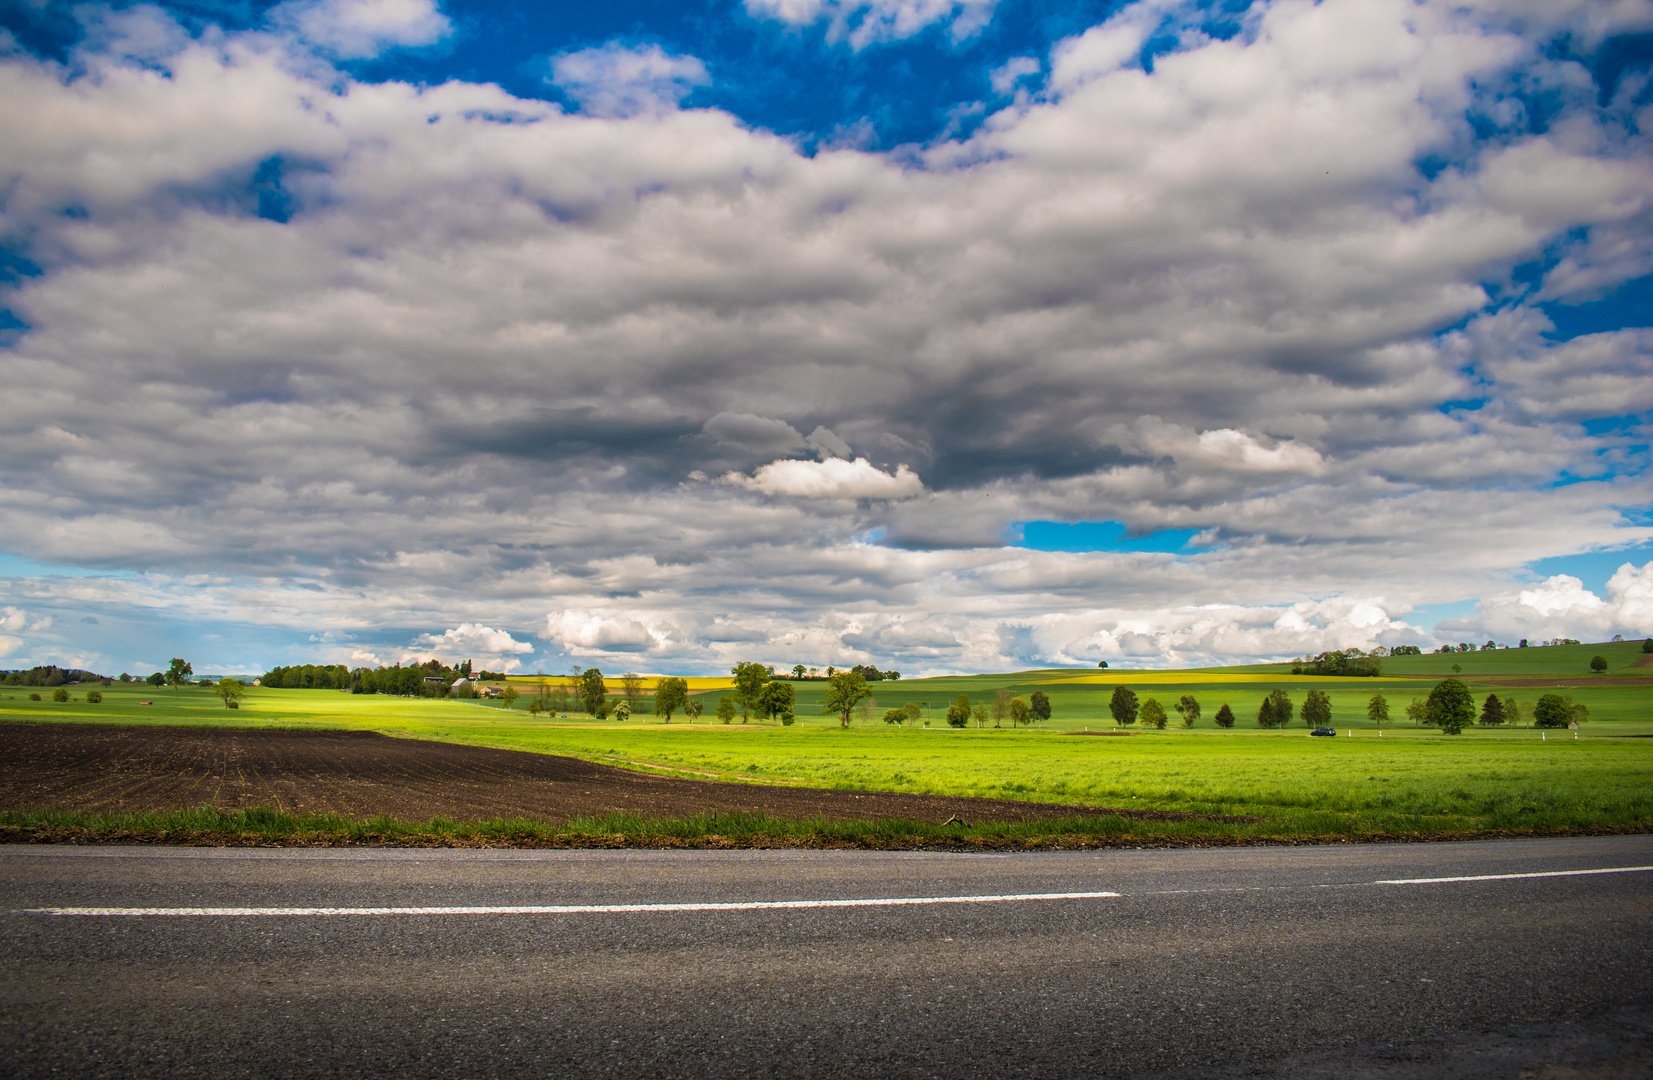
405,364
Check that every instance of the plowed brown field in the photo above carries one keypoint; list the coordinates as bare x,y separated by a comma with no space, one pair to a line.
359,774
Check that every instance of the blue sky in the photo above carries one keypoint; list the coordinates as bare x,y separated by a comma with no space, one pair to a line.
945,336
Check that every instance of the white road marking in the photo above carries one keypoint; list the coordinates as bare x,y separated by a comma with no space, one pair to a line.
1513,877
579,909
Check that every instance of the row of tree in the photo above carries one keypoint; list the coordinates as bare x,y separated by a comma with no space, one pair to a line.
800,673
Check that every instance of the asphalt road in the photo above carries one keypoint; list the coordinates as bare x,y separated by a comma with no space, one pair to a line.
1294,962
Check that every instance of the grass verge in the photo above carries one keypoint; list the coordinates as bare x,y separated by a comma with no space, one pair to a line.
260,827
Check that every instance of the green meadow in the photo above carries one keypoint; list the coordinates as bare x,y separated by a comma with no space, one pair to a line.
1405,781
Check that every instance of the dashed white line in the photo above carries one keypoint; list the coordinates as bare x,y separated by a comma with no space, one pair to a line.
580,909
1515,877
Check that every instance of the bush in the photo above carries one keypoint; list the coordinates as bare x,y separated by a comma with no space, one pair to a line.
34,697
1224,717
60,694
1598,664
232,704
95,697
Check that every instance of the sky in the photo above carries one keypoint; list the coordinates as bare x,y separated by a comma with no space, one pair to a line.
943,335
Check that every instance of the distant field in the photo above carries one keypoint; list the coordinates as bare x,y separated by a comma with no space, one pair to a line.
1408,780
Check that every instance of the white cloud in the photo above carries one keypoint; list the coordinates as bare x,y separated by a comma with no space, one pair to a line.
616,80
358,29
867,22
1563,607
588,632
468,641
1005,77
833,478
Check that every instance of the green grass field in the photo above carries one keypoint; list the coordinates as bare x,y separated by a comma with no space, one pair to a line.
1407,781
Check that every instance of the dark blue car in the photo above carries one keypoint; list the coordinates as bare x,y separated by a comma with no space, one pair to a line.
1324,731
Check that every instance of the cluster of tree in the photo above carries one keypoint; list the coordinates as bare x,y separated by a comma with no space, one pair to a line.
430,679
758,692
48,675
307,677
1339,662
1126,710
1464,646
800,673
1555,641
1405,650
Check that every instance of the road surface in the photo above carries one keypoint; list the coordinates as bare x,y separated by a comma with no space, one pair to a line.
1464,960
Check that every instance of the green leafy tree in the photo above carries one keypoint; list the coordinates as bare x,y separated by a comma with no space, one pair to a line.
1153,714
178,672
1122,705
1275,711
631,685
1038,703
509,695
895,716
958,713
669,696
979,713
749,680
844,690
1598,664
1019,712
621,710
1452,706
593,692
1512,711
799,671
1189,707
1377,710
692,708
1001,705
155,678
231,691
60,694
94,697
777,700
1647,646
1417,711
914,711
1317,709
726,709
1225,716
1492,712
1552,710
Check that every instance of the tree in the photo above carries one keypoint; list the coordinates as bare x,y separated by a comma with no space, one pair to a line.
1377,709
1598,664
1038,703
1647,646
1153,714
177,672
1317,709
1552,710
669,696
749,680
1019,712
509,695
958,713
897,717
1102,663
777,700
980,714
631,684
1189,708
1001,705
1418,712
155,678
844,690
692,708
1451,706
1512,711
1123,706
593,691
726,709
231,691
60,694
1225,716
621,710
1492,713
94,697
914,711
798,671
1275,711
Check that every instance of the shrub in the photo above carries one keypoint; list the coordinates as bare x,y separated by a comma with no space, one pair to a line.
1153,714
1224,717
60,694
1598,664
95,697
34,697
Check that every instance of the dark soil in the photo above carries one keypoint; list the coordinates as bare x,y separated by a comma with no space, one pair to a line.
359,774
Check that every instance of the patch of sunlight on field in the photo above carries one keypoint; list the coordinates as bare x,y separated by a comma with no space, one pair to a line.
1203,678
697,683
